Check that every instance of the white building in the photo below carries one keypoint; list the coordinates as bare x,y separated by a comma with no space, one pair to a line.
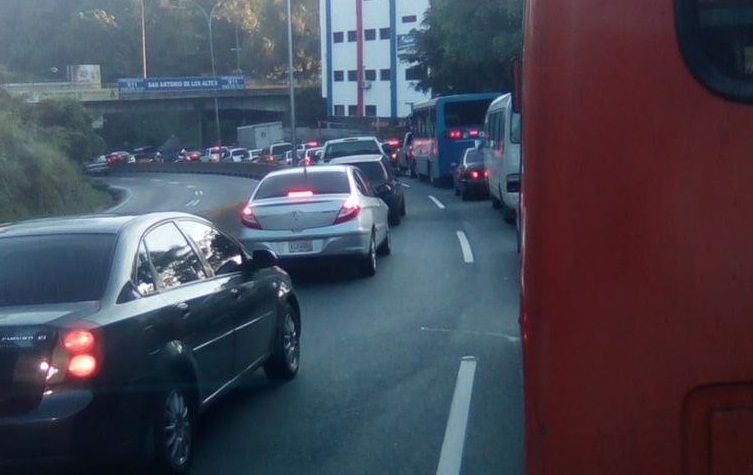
362,74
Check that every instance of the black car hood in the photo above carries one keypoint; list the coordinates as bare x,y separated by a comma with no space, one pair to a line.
46,314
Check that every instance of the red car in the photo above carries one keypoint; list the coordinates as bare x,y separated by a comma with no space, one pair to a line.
117,158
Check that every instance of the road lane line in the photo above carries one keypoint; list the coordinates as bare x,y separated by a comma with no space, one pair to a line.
127,198
200,192
465,246
451,456
193,203
437,202
405,185
509,338
174,183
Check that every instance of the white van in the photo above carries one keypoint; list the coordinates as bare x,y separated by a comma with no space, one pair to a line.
501,147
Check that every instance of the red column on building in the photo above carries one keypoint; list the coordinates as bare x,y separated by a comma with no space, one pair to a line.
359,55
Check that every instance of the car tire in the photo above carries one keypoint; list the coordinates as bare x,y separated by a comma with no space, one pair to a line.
174,429
286,348
464,195
508,214
402,208
394,217
368,264
496,204
385,248
457,191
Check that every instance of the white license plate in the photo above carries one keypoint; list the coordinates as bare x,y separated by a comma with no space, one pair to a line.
301,246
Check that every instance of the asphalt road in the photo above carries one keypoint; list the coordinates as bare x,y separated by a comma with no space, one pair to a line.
414,371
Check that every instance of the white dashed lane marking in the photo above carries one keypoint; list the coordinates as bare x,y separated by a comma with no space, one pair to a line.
465,246
451,456
437,202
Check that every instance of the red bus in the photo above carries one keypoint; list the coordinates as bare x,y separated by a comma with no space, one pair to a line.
637,249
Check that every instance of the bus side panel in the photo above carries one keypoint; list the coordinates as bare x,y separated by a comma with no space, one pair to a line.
637,273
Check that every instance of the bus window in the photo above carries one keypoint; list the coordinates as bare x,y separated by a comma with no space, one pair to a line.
716,37
515,128
461,114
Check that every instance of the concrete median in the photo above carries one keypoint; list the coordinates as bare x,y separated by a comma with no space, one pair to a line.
240,169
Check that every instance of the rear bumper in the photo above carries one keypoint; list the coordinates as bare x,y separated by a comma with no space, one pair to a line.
356,243
74,425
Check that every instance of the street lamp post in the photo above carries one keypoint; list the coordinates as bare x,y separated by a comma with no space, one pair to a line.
291,89
143,38
208,17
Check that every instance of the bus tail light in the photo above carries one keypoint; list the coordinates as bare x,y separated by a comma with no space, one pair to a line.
348,211
248,218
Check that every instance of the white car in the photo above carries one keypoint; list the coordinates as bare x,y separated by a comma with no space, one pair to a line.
304,213
239,155
366,145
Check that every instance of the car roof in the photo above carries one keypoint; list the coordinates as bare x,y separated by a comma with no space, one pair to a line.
353,139
316,169
372,157
86,224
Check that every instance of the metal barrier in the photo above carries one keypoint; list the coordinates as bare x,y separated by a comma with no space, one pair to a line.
240,169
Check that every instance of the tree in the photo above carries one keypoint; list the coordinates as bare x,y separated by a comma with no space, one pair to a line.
487,38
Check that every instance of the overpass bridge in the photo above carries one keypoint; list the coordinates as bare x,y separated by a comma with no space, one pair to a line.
113,100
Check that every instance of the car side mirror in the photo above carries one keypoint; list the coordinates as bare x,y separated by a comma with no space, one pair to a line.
263,259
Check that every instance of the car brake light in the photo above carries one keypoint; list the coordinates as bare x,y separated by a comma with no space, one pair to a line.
473,134
82,366
486,173
80,352
300,194
313,143
348,211
474,174
455,134
248,218
79,341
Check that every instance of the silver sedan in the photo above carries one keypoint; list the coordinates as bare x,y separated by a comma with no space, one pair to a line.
318,212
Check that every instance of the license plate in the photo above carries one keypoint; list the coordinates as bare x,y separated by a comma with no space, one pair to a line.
301,246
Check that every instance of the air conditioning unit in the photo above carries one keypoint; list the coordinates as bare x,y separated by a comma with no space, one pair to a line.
366,85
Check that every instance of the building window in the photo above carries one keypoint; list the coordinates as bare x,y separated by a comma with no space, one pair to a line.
369,35
413,74
339,76
384,33
409,19
352,36
371,111
352,75
338,36
370,74
385,75
353,110
340,110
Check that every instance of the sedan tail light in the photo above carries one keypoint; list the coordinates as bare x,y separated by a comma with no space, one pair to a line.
348,211
77,356
248,218
475,174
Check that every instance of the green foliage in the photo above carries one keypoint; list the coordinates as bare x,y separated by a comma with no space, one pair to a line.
41,37
484,42
36,177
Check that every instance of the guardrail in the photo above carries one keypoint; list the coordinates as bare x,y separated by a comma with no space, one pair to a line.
240,169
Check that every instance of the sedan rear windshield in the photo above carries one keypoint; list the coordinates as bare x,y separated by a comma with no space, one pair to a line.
60,268
319,183
357,147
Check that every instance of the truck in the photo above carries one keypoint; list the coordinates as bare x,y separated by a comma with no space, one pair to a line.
258,136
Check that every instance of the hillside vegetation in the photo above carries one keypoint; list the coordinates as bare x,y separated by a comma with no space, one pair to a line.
42,148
